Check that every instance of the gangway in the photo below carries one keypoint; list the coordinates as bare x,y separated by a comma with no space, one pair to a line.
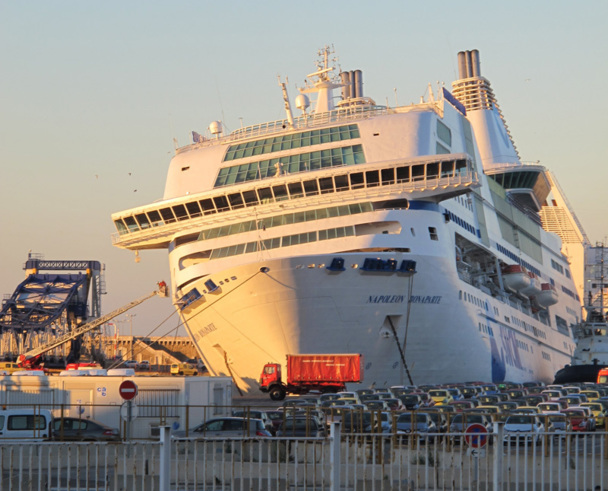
29,358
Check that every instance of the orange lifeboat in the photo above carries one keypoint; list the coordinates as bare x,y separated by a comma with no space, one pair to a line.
534,288
515,277
548,295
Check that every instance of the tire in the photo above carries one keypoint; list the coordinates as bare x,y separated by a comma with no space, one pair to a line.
277,393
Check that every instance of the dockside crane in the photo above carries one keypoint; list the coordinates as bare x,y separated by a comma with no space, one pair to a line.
30,358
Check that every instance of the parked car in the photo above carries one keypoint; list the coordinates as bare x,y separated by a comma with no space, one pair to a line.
144,365
255,414
523,428
130,364
418,423
301,427
183,369
84,430
25,423
577,419
227,427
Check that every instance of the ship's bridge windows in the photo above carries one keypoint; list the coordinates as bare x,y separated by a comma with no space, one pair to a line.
388,176
372,179
155,218
221,203
288,142
193,209
295,189
121,227
280,192
311,187
265,195
403,174
180,212
326,184
444,133
290,164
357,180
143,221
207,206
250,198
167,215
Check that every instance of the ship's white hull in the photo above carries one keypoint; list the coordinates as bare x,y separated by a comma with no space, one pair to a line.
296,305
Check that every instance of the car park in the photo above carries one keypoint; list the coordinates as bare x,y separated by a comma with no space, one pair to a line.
83,430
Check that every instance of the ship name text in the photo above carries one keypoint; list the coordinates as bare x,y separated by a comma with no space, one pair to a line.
385,299
436,299
201,333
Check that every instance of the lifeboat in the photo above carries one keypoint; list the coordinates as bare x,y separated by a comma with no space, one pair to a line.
547,296
515,277
534,288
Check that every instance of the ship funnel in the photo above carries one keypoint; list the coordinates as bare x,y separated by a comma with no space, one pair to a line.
352,84
468,64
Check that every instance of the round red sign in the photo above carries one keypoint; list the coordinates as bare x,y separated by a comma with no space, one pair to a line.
476,435
128,390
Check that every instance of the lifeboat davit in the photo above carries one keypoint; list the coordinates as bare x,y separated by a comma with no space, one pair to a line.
534,288
548,295
515,277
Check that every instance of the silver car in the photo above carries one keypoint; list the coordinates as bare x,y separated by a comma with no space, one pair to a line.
227,427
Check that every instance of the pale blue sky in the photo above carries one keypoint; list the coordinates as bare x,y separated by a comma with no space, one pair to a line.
93,93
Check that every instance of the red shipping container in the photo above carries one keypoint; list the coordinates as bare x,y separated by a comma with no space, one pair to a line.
339,368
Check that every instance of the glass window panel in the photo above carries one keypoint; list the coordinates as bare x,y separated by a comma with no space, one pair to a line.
326,184
371,178
131,224
142,219
193,209
120,226
388,176
155,217
295,189
167,214
358,154
280,192
311,187
403,174
265,195
343,210
322,213
180,212
341,183
207,206
432,170
221,203
447,169
236,201
417,172
250,198
251,247
356,180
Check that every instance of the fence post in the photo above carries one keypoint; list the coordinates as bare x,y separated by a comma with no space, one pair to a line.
165,458
498,432
334,456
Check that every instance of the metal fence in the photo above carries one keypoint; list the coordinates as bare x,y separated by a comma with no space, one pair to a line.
340,461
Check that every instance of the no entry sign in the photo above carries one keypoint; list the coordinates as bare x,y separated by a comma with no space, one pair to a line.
476,435
128,390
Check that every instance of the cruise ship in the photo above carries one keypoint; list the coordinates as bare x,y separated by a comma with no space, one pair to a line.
413,235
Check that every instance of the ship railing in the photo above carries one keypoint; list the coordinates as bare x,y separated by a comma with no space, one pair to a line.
300,123
423,183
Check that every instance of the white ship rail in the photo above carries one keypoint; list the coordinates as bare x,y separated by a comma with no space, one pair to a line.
342,115
418,187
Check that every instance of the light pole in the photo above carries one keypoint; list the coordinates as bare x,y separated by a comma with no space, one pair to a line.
130,319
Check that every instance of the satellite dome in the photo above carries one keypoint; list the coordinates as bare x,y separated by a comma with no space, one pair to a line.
302,102
215,127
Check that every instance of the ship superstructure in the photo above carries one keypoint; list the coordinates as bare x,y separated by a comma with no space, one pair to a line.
410,234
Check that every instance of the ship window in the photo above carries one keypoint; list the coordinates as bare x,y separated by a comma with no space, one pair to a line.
142,219
341,183
236,201
155,218
180,212
207,206
461,166
417,172
447,169
371,177
388,176
193,209
280,192
120,226
311,188
432,170
221,203
444,133
131,224
265,195
251,198
326,184
167,215
403,174
295,189
433,233
356,180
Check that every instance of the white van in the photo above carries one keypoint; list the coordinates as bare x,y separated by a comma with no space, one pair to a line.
25,424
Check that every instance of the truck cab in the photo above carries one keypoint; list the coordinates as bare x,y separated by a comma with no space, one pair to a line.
271,382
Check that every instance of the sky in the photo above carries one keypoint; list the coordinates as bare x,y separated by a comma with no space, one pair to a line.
93,94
